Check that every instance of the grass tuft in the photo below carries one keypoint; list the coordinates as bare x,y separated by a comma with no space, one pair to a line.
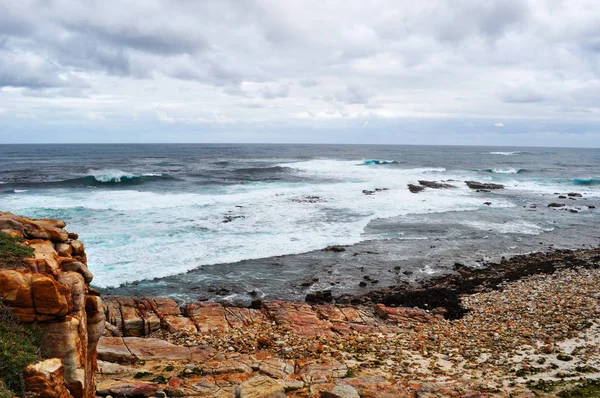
12,252
19,347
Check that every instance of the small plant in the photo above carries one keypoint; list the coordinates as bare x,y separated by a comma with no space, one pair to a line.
19,347
587,388
12,252
141,375
160,379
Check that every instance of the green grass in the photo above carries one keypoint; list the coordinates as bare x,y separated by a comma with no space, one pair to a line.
587,388
19,347
5,392
11,252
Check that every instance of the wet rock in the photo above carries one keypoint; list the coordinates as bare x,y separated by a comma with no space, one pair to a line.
415,188
435,184
335,249
483,185
574,195
323,296
367,192
228,219
562,197
487,203
554,204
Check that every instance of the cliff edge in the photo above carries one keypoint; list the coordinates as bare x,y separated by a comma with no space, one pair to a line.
51,289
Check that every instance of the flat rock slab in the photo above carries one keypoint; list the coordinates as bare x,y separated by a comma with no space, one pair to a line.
131,349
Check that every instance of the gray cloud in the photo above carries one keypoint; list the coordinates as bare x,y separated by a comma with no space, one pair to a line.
440,59
352,94
523,96
278,92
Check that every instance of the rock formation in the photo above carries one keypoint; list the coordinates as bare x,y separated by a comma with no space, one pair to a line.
52,289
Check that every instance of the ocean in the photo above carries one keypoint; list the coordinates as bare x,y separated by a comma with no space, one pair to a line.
236,222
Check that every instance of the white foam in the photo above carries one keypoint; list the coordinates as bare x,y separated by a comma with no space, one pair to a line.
506,171
514,227
133,235
109,175
505,153
19,190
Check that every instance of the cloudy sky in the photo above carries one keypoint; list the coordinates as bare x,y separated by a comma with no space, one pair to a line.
475,72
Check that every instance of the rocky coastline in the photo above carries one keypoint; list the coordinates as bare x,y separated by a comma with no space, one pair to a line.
527,326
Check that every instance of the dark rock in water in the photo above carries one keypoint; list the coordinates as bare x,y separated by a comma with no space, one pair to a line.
483,185
574,211
574,195
487,203
415,188
591,207
335,249
435,184
222,291
256,304
483,190
319,297
553,204
253,293
231,218
562,197
381,189
362,284
367,192
309,199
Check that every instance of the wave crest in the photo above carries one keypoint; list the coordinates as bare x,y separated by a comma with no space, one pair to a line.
370,162
506,153
511,170
586,181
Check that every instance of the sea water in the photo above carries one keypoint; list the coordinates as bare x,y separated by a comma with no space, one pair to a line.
148,214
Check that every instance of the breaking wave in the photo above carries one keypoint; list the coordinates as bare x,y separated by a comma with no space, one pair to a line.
506,153
370,162
586,181
506,171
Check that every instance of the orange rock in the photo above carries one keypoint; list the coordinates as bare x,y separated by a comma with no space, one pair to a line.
177,324
49,296
63,249
46,256
299,318
208,317
68,340
46,379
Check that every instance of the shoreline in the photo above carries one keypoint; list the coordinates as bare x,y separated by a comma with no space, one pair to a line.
530,327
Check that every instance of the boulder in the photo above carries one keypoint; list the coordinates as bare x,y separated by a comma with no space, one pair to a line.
49,296
483,185
415,188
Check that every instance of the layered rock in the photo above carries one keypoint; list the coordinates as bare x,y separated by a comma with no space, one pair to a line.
52,289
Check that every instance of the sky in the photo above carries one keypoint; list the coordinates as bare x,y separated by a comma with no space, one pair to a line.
464,72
